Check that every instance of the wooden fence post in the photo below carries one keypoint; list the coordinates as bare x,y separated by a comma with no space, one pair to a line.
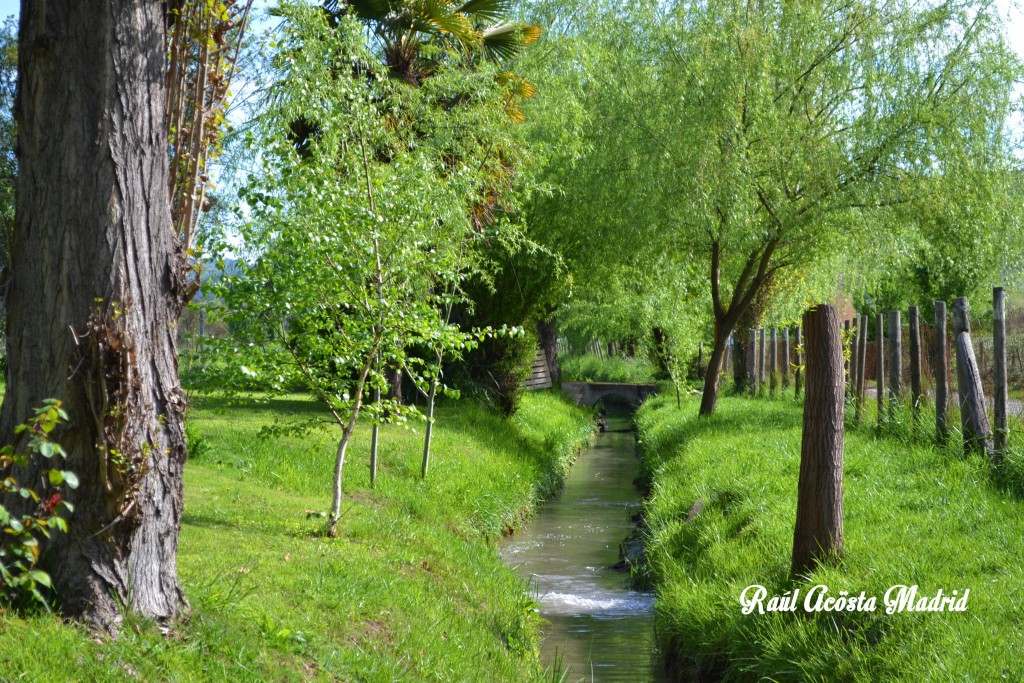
752,362
916,395
773,365
973,420
762,351
941,373
851,386
895,359
798,379
999,365
818,535
862,361
846,361
880,365
785,358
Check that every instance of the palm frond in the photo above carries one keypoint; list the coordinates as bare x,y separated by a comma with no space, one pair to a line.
441,16
505,41
487,11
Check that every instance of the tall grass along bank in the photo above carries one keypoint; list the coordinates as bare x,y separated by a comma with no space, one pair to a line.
721,513
412,588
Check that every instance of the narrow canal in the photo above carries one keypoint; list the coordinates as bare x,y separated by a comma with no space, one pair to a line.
598,628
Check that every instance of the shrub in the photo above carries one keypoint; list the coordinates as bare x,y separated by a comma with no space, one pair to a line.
20,532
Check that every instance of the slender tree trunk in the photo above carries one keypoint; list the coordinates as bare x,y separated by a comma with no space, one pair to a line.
346,436
941,374
374,440
709,399
97,286
973,419
430,429
818,535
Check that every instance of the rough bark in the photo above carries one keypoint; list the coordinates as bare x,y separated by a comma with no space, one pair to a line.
941,373
547,331
96,290
999,361
818,535
713,373
973,419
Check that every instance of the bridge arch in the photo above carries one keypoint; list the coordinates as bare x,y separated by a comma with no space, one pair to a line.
589,393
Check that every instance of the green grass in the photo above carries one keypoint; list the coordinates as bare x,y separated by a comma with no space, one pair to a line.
914,514
590,368
412,589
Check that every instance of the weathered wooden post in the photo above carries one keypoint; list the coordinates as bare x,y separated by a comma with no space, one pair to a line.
862,360
880,366
798,377
752,362
895,359
818,535
916,395
773,355
847,335
761,360
727,363
785,358
973,420
851,386
999,364
941,373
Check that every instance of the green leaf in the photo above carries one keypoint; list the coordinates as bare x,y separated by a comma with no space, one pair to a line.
56,477
71,479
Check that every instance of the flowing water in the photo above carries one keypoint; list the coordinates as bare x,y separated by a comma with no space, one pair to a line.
598,628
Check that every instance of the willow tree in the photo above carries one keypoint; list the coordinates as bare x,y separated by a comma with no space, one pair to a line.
797,125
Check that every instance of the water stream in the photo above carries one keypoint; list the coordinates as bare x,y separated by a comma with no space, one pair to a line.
598,628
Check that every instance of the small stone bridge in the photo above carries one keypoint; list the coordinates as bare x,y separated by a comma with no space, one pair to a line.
589,393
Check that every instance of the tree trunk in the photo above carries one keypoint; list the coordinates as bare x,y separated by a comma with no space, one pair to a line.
941,373
973,419
547,331
429,430
819,509
709,399
97,286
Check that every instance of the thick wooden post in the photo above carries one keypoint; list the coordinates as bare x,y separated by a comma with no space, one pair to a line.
895,358
752,362
941,373
999,364
880,365
973,420
862,359
761,352
916,395
819,509
773,355
785,358
798,378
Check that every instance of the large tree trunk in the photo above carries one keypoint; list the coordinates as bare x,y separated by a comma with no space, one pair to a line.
819,509
547,331
96,290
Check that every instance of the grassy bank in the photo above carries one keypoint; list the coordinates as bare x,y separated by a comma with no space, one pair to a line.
412,589
913,515
590,368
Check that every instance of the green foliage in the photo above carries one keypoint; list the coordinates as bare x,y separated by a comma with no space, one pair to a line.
911,511
588,367
21,532
412,588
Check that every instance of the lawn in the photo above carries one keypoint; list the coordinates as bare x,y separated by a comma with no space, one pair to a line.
411,589
721,515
